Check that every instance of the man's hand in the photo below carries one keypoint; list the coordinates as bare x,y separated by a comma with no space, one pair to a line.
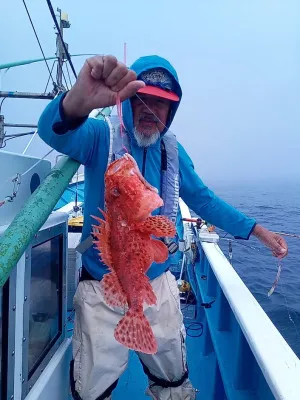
272,240
97,85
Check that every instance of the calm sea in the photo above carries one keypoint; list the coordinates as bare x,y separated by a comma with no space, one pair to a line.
277,207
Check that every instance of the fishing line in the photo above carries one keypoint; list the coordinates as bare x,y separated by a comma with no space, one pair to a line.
241,244
289,314
152,112
288,234
120,116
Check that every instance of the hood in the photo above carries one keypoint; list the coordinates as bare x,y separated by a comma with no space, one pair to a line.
144,64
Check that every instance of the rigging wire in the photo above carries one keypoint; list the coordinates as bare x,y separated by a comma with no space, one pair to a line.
15,136
2,103
68,74
63,74
30,141
20,134
50,76
37,38
60,35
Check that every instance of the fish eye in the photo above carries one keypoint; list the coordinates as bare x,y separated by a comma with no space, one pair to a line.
115,192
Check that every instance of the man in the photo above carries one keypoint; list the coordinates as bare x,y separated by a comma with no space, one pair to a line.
151,93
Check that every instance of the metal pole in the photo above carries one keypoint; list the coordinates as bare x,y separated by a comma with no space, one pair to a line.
33,215
59,52
2,134
20,125
24,62
27,95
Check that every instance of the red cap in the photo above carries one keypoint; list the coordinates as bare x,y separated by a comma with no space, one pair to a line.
158,92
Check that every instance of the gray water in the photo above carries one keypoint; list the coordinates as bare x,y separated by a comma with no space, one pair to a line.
275,205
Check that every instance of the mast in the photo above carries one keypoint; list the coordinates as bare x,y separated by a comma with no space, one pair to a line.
60,53
58,85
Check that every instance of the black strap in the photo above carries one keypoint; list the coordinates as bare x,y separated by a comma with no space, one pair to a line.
75,394
85,275
164,158
66,124
163,382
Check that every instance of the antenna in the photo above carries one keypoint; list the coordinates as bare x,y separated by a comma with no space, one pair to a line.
60,52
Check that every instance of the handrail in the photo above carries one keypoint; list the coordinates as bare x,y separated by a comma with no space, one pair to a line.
278,363
25,62
33,215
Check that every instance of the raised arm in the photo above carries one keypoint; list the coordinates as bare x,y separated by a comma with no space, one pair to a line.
64,124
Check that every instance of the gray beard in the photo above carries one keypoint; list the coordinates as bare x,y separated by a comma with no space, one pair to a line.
145,140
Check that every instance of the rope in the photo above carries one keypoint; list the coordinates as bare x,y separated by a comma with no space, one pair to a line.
30,141
37,38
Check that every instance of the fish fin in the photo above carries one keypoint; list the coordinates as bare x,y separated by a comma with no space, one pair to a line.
102,242
134,331
160,251
146,290
158,225
113,293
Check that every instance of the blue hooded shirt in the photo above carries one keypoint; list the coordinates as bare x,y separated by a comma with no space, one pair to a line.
88,143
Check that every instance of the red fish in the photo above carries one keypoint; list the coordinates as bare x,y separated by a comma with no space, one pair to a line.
124,240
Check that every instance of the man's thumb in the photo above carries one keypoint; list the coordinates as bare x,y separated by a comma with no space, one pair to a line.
131,89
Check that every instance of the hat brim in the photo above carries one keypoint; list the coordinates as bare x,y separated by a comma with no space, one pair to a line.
155,91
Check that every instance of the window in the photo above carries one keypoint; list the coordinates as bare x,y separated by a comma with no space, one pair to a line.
45,315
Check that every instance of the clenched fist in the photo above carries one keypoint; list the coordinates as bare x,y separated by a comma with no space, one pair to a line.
97,85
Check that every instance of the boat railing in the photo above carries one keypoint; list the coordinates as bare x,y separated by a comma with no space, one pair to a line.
252,356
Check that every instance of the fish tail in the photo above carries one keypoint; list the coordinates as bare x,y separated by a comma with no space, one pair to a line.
135,332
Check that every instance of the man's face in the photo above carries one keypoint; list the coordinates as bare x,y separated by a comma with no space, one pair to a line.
150,115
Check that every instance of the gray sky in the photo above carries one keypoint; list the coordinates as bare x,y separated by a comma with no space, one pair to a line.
238,63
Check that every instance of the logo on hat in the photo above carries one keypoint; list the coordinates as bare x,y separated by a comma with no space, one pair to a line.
159,83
